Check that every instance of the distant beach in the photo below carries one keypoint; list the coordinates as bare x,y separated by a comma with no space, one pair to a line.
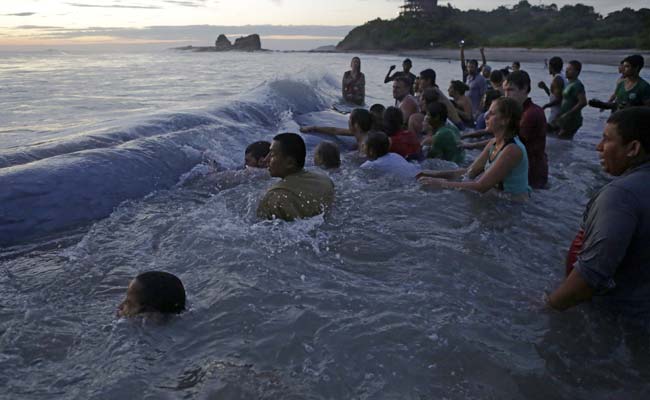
501,54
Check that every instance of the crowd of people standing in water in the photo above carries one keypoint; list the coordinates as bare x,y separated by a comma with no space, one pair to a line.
609,260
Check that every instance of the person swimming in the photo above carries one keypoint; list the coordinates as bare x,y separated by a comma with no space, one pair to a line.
327,155
255,154
153,292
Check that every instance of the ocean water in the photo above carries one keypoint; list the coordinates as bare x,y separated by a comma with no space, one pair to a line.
396,293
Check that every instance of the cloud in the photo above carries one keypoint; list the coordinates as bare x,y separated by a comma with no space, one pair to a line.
22,14
114,6
187,3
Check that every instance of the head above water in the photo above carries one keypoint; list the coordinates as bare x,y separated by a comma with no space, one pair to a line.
504,117
458,88
516,66
427,79
256,153
517,86
153,291
496,78
287,155
573,69
360,120
429,96
407,64
472,67
436,114
393,121
355,64
555,65
625,142
486,71
377,111
401,87
632,65
377,145
327,155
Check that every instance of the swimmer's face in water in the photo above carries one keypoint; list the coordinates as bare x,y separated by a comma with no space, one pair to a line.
131,305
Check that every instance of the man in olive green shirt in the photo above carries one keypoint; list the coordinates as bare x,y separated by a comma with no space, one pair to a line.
631,91
443,138
574,99
300,193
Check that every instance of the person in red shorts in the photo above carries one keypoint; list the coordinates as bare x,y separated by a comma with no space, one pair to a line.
532,129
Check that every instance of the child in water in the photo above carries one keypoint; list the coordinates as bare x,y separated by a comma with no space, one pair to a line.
153,291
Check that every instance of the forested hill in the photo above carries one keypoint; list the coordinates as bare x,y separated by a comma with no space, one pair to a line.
523,25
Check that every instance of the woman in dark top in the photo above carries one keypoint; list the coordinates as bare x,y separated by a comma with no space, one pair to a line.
354,83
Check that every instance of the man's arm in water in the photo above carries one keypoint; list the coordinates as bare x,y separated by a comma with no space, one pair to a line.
573,291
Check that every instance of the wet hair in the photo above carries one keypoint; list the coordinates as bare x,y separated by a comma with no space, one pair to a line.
430,95
292,145
520,78
473,62
161,291
555,63
496,76
636,61
405,80
632,124
459,87
511,112
487,69
361,117
407,61
490,96
378,143
329,154
258,149
429,74
517,64
437,110
393,120
377,111
576,64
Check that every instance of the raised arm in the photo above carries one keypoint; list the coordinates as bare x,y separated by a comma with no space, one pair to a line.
483,60
463,66
389,78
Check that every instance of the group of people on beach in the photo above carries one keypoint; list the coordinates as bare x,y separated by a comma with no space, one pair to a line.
609,260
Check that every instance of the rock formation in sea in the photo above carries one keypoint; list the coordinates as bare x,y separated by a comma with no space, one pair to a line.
222,43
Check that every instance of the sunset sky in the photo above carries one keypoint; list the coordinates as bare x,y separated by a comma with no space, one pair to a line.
61,22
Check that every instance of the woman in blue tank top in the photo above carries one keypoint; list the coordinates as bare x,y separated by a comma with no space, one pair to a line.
503,164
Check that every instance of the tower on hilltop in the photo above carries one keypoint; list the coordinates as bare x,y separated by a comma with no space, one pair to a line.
416,8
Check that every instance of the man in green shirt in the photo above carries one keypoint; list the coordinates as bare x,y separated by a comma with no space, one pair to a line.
300,193
631,91
443,138
574,99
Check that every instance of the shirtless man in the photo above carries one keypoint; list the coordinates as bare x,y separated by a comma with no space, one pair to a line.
359,124
403,99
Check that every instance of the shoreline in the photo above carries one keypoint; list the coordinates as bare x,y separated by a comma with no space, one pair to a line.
509,54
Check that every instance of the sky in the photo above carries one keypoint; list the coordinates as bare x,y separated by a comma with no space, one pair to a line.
168,22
